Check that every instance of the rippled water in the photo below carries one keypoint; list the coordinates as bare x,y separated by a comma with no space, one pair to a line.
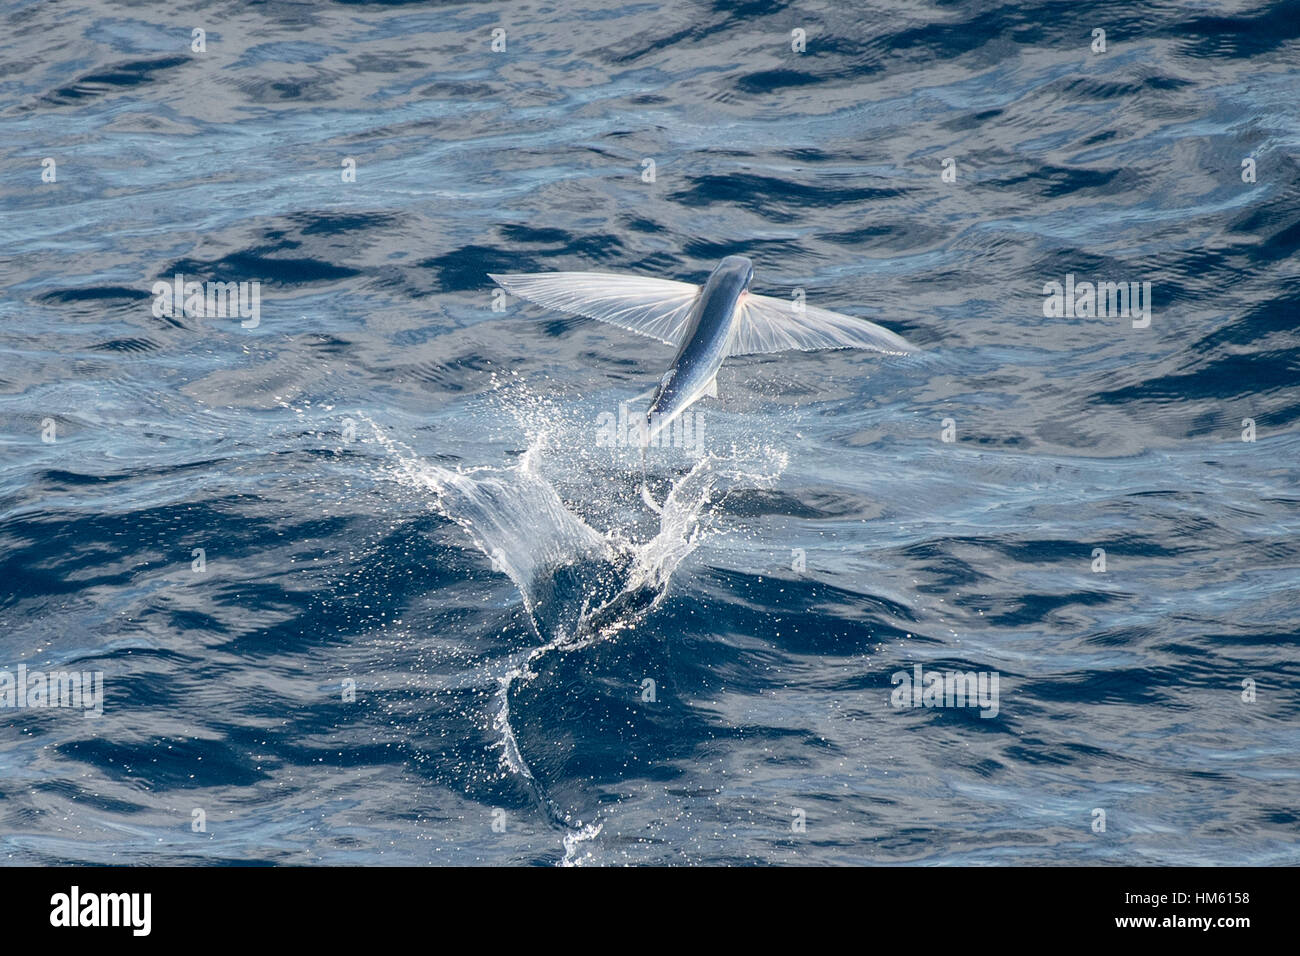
365,585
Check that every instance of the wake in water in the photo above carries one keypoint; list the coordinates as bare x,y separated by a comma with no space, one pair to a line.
579,585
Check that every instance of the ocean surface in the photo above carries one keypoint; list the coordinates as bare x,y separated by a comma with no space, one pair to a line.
367,581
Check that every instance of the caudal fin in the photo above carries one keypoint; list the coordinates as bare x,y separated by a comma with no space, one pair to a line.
645,487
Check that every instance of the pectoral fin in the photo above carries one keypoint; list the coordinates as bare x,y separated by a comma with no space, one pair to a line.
654,307
774,325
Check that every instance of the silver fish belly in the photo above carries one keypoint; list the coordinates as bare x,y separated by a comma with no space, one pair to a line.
706,343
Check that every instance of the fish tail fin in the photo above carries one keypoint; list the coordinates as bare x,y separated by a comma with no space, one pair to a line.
645,487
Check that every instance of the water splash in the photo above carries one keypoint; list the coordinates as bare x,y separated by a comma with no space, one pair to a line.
579,585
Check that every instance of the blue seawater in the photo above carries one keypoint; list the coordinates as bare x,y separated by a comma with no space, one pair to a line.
367,582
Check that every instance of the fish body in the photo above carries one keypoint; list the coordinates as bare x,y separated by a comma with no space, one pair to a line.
706,343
